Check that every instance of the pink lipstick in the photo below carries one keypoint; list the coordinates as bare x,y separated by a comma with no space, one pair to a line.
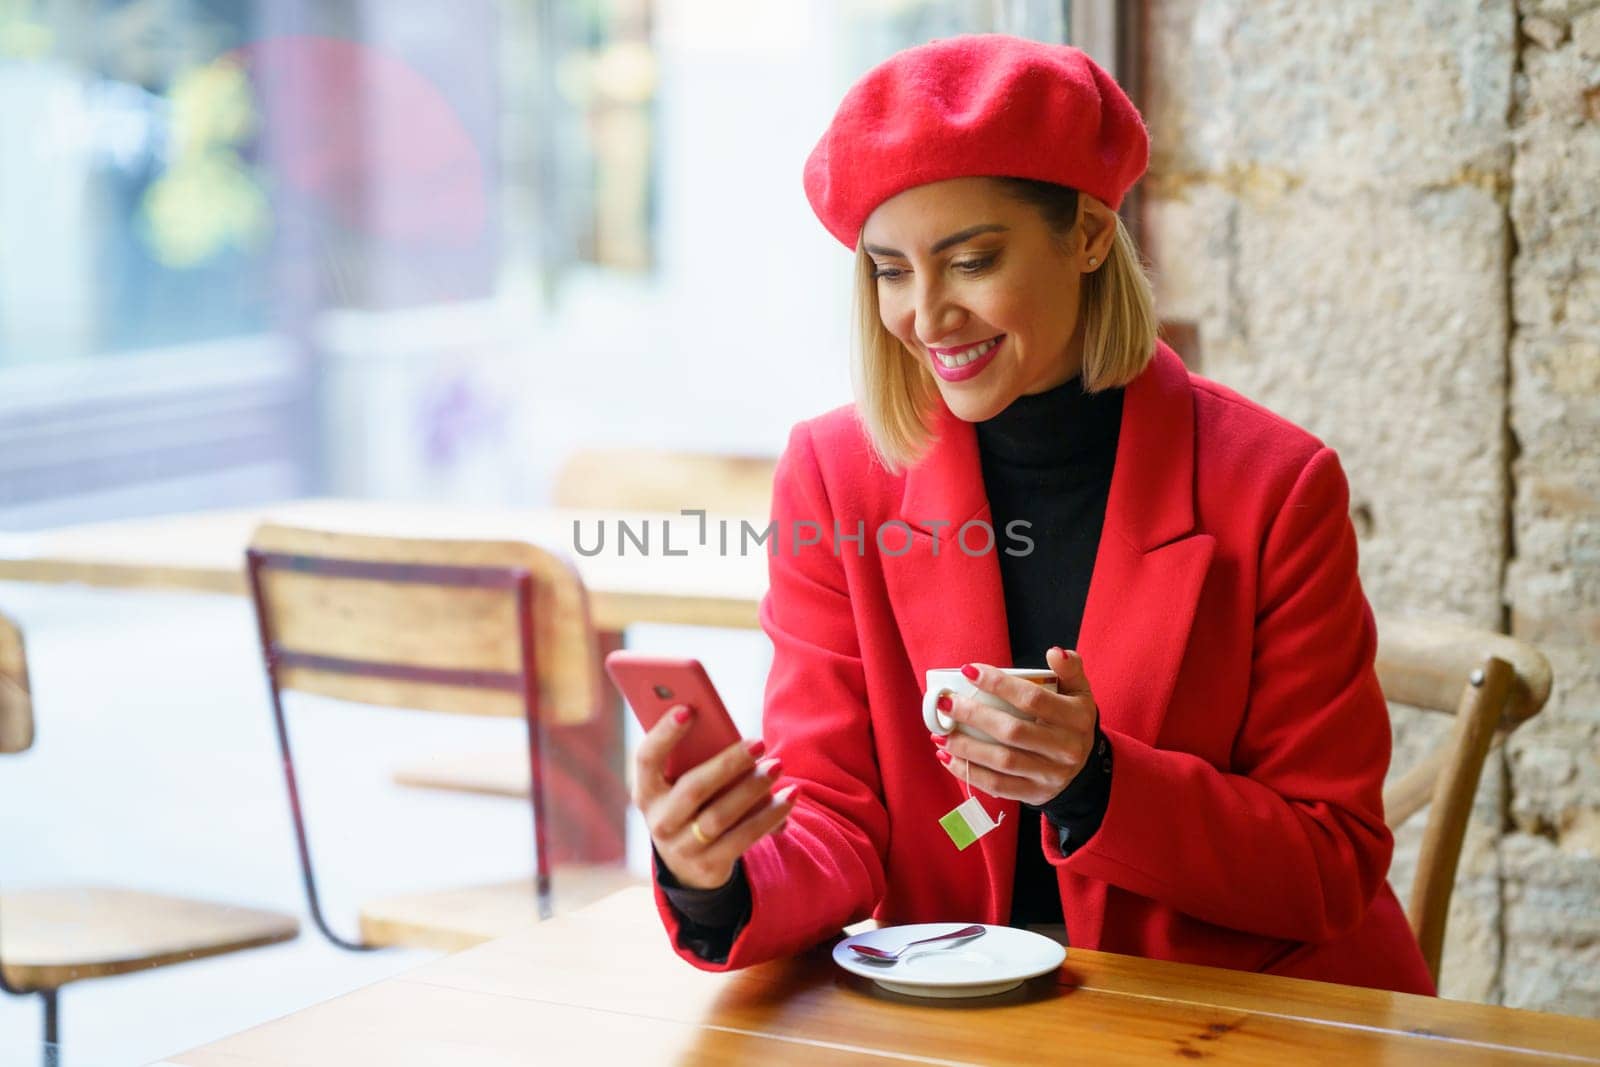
969,360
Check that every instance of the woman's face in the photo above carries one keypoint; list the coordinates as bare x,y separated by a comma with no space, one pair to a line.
979,289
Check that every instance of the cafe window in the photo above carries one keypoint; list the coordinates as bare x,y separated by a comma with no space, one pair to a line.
347,196
602,146
164,179
135,211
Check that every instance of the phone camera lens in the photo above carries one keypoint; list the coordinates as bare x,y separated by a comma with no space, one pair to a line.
663,692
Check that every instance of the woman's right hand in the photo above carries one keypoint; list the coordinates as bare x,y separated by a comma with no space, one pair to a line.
698,839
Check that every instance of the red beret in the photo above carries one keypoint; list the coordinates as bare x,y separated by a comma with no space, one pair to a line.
978,105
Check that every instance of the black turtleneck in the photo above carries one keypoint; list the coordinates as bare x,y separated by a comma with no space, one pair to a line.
1046,460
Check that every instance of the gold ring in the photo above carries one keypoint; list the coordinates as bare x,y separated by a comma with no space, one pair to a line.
699,834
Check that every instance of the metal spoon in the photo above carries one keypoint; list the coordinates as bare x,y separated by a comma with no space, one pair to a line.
878,955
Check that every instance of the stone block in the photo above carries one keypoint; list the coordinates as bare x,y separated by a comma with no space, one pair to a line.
1555,776
1191,238
1555,757
1558,11
1335,95
1555,564
1377,323
1546,33
1562,369
1586,34
1557,494
1555,84
1187,107
1556,273
1557,422
1552,928
1580,837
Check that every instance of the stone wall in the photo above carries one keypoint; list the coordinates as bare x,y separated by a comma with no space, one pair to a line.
1552,918
1376,216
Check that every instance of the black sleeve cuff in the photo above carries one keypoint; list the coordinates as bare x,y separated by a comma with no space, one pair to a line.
1078,810
709,920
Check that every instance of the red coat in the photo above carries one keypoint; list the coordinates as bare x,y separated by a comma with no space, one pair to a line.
1229,648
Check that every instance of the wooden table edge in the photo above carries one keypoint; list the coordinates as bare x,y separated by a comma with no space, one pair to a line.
1245,1001
418,977
611,611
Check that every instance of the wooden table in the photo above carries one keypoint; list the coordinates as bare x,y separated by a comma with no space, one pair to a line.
204,551
601,986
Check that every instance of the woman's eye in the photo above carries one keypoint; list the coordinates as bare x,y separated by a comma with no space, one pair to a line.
888,273
973,266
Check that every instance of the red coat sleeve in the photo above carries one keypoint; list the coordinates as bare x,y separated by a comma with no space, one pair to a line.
1290,841
826,870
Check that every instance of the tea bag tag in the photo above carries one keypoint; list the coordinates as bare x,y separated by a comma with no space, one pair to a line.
967,822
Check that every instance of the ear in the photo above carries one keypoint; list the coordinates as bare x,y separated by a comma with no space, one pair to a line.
1098,225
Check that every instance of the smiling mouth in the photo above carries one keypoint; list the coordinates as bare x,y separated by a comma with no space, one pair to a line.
955,359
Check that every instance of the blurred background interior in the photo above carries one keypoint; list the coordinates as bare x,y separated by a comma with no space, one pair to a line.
259,250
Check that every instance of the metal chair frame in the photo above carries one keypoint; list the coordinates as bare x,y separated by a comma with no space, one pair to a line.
524,682
50,999
50,1002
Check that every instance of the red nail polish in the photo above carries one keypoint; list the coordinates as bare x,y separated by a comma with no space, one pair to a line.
944,757
682,714
1058,650
944,702
971,672
755,748
940,739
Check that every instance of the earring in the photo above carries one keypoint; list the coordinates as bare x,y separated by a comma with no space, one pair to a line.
1092,261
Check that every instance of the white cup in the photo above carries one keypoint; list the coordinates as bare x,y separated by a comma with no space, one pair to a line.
950,681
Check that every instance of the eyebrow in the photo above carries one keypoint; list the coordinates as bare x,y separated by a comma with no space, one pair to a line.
944,242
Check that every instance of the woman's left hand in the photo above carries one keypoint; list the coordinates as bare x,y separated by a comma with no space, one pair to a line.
1032,761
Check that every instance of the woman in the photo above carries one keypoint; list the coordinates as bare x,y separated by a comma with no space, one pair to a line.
1206,786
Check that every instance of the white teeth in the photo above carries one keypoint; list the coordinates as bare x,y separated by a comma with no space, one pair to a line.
977,352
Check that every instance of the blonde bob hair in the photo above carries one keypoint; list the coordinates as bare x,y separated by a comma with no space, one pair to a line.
896,395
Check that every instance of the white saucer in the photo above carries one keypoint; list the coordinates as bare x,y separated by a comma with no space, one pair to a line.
1002,959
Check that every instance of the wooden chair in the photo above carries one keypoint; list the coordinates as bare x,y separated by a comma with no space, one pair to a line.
1492,683
469,627
638,479
50,937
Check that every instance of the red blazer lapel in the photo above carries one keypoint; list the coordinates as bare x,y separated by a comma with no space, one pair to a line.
1151,563
1148,574
949,605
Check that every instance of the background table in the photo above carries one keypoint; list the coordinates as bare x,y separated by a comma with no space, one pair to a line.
204,551
602,986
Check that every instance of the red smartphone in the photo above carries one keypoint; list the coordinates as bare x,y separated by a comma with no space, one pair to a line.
655,684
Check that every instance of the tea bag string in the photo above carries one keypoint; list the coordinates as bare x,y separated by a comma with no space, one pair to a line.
1002,817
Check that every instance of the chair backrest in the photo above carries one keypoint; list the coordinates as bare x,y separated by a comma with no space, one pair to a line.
649,480
474,627
16,700
1491,683
437,620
